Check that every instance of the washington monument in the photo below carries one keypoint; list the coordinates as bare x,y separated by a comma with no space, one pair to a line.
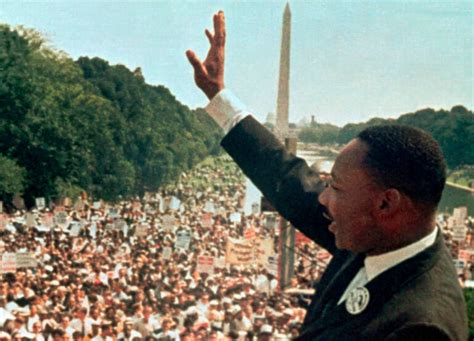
284,79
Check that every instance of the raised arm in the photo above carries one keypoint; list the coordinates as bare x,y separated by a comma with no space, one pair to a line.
209,75
285,180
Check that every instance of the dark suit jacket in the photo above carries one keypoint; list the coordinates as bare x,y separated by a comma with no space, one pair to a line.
418,299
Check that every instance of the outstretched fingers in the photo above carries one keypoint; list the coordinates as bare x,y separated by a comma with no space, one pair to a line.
219,28
209,35
199,69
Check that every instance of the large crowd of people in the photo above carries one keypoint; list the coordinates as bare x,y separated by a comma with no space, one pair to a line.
129,271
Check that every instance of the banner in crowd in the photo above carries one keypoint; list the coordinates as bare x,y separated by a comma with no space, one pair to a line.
26,260
40,203
239,252
8,263
205,264
183,240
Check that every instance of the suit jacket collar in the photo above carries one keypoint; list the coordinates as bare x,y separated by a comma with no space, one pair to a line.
380,288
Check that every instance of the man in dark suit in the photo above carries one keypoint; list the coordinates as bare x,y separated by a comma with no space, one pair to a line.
391,276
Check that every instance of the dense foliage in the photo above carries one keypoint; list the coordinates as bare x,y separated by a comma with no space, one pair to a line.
453,129
87,125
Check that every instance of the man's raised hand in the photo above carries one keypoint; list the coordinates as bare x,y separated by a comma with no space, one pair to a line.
209,75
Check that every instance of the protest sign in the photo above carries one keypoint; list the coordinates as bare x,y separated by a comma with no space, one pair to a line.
26,260
113,212
271,222
60,218
205,264
175,204
40,203
239,252
183,240
167,252
209,207
206,220
96,205
141,230
459,232
8,263
168,222
272,265
75,229
264,249
460,215
235,217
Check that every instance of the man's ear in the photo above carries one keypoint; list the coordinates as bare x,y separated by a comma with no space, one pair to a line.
389,201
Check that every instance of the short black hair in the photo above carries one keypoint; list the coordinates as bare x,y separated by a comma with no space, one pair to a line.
408,159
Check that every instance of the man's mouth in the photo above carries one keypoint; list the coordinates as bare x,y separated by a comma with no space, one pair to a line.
327,216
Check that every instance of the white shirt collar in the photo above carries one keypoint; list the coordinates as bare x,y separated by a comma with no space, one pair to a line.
375,265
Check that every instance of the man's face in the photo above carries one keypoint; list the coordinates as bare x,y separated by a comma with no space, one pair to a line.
351,200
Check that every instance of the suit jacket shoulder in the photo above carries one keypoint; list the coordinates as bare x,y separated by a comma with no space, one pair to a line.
286,180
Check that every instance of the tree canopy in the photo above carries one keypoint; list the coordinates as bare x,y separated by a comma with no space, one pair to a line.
454,130
89,125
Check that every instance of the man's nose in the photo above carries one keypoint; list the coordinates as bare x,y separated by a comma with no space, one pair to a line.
323,197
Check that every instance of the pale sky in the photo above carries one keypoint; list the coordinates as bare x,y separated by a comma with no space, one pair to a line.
350,60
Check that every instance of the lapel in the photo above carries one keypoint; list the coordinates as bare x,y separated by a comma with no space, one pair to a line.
328,296
380,290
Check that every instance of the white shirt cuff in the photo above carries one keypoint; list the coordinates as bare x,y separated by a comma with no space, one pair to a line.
226,109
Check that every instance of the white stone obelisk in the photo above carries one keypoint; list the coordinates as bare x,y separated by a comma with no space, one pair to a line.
284,79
